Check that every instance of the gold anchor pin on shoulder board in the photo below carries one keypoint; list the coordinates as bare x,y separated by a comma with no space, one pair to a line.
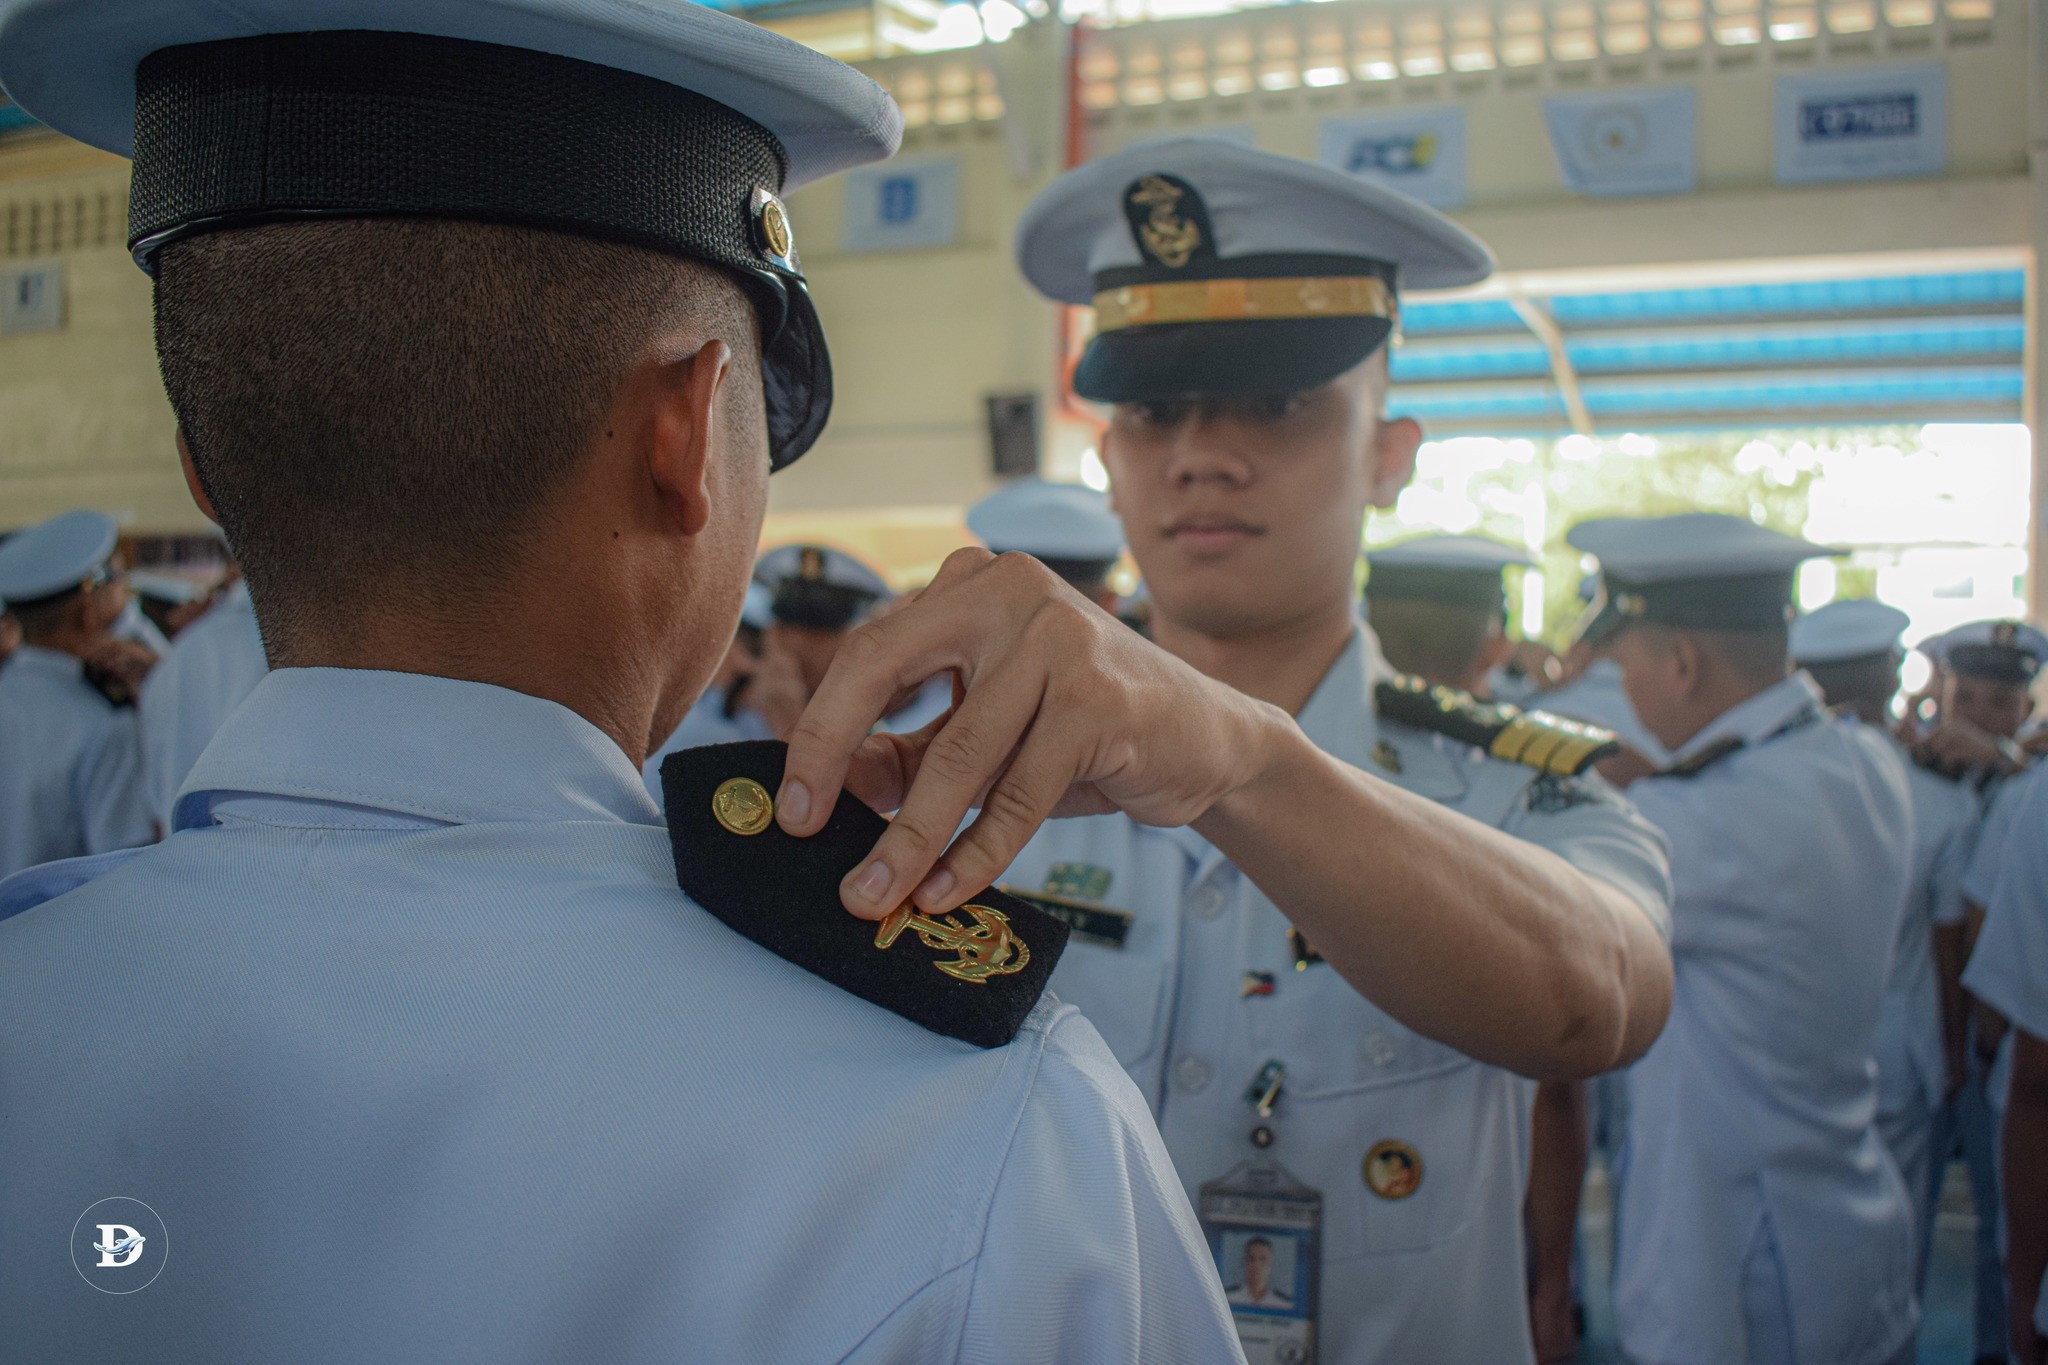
985,945
973,973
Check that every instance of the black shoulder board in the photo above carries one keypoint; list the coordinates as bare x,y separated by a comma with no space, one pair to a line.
1545,742
973,974
1705,758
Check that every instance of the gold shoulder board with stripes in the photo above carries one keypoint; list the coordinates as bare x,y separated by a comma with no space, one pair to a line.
1538,739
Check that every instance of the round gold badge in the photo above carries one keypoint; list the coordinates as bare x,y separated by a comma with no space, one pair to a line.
1393,1169
773,220
743,806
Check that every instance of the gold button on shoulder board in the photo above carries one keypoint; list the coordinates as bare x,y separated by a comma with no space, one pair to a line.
1393,1169
743,806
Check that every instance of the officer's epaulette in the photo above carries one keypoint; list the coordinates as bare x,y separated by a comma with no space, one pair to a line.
1705,758
1545,742
972,974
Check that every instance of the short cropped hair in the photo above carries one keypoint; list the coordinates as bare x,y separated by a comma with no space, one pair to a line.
1435,640
379,404
1762,656
1868,684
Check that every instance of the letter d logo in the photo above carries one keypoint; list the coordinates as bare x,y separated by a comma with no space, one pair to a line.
119,1245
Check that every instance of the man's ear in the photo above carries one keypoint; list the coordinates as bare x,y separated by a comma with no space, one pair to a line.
197,489
1688,662
1394,447
683,433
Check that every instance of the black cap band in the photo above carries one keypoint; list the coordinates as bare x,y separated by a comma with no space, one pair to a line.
819,606
1450,587
1993,663
364,124
1136,364
1737,602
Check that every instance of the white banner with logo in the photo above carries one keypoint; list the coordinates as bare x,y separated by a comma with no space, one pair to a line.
1625,144
1879,123
1419,152
913,202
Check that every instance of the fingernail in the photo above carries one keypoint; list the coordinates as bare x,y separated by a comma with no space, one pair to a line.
936,888
794,803
872,883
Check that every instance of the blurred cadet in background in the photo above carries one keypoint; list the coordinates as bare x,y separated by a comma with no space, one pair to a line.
1065,526
1981,708
1852,650
1592,690
1760,1216
213,664
72,782
1439,607
816,595
171,601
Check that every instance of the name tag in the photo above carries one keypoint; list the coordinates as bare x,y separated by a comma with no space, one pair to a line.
1096,923
1265,1230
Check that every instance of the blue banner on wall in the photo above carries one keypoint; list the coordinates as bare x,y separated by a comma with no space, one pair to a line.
902,204
1880,123
1620,145
1421,152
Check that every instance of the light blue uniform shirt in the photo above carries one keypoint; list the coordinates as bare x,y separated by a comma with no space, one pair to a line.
70,764
704,723
2002,802
2009,968
1912,1068
411,1041
214,663
1752,1129
1439,1275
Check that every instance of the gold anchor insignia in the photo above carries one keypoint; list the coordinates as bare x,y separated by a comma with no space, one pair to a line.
987,947
1170,238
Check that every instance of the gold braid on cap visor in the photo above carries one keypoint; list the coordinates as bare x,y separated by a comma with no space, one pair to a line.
1276,300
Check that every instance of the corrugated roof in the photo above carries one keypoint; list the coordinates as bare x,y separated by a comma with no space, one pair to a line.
1919,347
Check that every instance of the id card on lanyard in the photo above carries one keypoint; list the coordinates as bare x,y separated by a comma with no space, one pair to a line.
1265,1231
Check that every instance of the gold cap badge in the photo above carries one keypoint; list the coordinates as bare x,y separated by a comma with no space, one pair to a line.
777,239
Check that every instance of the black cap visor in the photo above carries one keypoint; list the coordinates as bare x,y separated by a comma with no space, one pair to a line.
1176,360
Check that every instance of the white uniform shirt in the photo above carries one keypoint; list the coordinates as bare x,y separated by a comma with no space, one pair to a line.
1437,1276
215,662
1596,697
1755,1110
410,1039
1911,1065
70,764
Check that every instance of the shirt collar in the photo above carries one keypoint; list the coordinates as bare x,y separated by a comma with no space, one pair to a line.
51,663
436,748
1340,719
1759,717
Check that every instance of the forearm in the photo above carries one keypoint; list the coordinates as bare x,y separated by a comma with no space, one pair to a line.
2026,1173
1558,1139
1481,941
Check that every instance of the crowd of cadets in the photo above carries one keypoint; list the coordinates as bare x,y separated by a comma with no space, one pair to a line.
1363,926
